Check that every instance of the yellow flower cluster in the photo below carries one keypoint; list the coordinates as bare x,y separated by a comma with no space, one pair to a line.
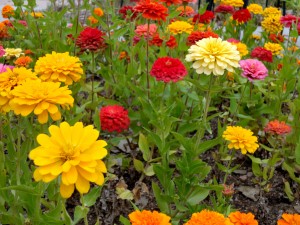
59,67
213,56
255,9
72,152
179,27
40,98
272,24
256,37
13,53
242,48
234,3
271,11
240,138
9,80
37,14
274,48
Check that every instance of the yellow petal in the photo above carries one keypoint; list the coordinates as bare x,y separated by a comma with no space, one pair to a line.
100,179
82,185
66,190
43,117
70,177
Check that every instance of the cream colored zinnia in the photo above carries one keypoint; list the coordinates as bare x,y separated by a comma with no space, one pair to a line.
72,152
9,80
59,67
12,53
179,27
213,55
41,98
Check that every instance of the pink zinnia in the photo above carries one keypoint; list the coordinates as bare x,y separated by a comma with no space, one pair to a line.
233,40
253,69
23,22
168,69
288,20
224,9
3,67
2,51
142,30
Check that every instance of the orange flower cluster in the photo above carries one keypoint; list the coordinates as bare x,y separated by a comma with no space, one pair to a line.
289,219
23,61
152,10
7,11
146,217
277,127
238,218
3,31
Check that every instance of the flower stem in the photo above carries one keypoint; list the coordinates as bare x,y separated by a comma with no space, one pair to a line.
147,59
85,217
228,167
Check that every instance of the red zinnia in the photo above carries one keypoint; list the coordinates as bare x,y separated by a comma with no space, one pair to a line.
171,43
242,15
114,118
262,54
168,69
206,17
199,35
224,9
156,40
152,10
276,38
277,127
90,39
127,11
171,2
288,20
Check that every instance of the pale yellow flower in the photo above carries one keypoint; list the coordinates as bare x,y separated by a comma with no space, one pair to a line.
213,56
274,48
72,152
12,53
179,27
272,24
255,9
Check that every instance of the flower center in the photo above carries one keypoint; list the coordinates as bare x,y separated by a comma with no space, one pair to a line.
168,63
68,152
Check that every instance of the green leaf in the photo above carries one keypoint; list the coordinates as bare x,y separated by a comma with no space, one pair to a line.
198,195
80,213
138,165
149,171
162,204
288,191
297,152
124,220
124,194
206,145
144,146
90,198
23,188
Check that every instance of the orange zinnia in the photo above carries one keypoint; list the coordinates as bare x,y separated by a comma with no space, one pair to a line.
206,217
146,217
99,12
277,127
238,218
3,31
23,61
7,11
186,11
152,10
289,219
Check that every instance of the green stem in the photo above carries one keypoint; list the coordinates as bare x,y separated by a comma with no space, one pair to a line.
147,59
228,167
19,157
238,105
85,217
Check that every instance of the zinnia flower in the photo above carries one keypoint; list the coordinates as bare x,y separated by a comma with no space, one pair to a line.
199,35
37,15
212,55
146,217
4,67
10,78
186,11
179,27
289,219
72,152
272,24
234,3
171,43
128,11
23,61
3,31
168,69
288,20
7,11
262,54
13,53
253,69
2,51
255,9
277,127
240,138
242,15
224,9
93,20
271,11
171,2
273,47
206,17
276,38
152,10
143,31
238,218
256,37
206,217
59,67
114,118
40,98
90,39
241,47
98,12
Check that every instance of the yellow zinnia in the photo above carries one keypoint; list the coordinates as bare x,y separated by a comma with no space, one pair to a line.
41,98
12,52
212,55
273,47
255,9
242,48
147,217
72,152
10,80
271,11
240,138
37,14
272,24
59,67
179,27
234,3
